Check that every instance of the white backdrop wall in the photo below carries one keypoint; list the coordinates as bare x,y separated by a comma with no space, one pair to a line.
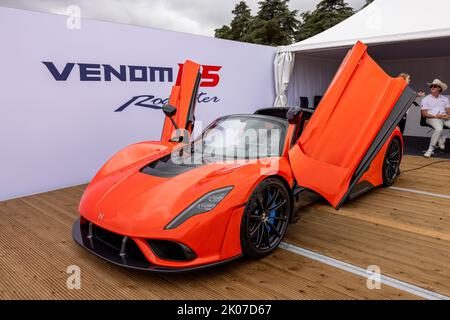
310,77
58,123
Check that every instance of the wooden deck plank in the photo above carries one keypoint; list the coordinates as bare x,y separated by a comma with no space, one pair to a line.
434,178
406,234
399,254
36,248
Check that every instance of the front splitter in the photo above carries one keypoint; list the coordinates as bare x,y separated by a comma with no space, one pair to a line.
81,236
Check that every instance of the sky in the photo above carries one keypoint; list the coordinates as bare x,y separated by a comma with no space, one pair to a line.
192,16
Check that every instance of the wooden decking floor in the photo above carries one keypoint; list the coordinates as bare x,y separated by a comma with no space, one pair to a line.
406,234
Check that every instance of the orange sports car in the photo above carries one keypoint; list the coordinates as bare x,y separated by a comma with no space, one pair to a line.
182,204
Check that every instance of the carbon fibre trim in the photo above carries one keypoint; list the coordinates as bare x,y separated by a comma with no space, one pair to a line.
190,117
80,235
166,168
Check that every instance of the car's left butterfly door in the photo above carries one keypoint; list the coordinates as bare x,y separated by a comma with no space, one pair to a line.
184,98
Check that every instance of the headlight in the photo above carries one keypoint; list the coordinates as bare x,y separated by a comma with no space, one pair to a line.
206,203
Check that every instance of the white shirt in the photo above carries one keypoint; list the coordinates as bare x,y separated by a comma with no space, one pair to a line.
435,106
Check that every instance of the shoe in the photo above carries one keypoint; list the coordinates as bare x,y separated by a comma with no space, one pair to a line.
429,153
441,143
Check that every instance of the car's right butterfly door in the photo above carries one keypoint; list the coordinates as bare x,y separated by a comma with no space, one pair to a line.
354,119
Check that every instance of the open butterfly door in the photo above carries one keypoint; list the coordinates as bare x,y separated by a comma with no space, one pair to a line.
354,119
183,97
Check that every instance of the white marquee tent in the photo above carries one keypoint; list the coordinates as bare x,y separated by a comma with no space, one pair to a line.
410,36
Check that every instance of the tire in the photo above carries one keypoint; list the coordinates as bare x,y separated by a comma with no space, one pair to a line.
391,163
266,218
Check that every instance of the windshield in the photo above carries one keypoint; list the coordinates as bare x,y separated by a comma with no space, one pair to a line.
235,137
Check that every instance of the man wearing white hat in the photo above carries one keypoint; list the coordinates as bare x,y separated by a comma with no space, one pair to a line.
436,108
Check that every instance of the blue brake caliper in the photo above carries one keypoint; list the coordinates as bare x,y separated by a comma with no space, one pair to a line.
272,213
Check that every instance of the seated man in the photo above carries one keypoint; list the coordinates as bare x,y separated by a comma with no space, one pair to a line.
436,108
402,123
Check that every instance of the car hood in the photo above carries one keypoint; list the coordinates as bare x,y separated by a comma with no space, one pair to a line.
134,203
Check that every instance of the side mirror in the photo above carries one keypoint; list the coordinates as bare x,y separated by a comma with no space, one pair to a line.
169,110
293,114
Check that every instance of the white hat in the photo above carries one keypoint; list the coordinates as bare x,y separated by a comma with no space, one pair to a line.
439,83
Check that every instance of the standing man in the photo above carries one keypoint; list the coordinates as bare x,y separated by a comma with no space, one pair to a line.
436,108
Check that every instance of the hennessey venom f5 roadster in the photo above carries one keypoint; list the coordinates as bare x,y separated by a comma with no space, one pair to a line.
182,203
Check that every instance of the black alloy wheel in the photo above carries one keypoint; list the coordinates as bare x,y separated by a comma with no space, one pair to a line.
266,218
391,164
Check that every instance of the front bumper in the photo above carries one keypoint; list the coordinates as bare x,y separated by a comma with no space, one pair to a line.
134,259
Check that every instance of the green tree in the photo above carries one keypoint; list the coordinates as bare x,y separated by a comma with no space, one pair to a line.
223,33
367,3
239,25
274,24
327,14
